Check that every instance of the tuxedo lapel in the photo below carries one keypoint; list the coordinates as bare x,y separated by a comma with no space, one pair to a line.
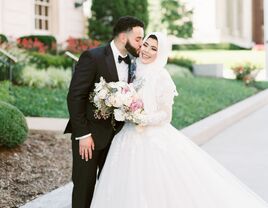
110,63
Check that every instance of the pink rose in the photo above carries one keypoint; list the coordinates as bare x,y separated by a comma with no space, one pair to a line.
125,90
136,105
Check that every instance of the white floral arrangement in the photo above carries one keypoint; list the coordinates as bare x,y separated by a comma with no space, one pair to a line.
119,100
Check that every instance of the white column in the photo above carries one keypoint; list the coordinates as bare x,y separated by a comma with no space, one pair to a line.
266,36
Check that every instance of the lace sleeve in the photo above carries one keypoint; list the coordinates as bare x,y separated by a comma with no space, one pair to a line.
166,91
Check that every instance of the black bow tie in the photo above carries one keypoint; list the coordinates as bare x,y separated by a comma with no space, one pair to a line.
125,59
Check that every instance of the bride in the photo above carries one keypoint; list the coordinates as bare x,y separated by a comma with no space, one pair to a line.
156,166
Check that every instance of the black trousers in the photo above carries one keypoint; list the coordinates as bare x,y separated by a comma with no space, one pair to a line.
84,174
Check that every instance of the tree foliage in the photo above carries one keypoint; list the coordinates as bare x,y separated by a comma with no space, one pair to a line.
177,18
106,13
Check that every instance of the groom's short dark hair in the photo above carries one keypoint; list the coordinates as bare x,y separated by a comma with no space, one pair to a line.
125,24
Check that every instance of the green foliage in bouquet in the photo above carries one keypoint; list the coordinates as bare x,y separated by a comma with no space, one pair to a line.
106,13
13,128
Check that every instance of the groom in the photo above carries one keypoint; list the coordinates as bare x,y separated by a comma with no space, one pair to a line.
91,137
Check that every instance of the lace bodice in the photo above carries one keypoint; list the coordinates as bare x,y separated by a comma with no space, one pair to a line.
157,93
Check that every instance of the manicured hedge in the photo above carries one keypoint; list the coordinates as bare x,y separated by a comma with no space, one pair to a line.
44,61
214,46
184,62
13,128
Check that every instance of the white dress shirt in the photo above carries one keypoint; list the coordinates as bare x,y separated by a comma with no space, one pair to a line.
122,71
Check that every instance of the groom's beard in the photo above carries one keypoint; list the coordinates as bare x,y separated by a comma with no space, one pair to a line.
131,49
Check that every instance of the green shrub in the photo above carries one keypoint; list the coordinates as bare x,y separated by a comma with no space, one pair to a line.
51,77
184,62
178,71
13,128
212,46
4,92
44,61
3,38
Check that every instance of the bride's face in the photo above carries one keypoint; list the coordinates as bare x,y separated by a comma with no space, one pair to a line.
148,51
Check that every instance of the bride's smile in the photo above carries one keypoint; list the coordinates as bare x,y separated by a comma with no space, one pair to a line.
149,50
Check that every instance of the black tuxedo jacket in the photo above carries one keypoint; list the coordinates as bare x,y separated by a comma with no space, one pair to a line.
92,64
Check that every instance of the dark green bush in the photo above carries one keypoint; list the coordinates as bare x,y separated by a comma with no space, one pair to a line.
3,38
13,128
184,62
214,46
43,61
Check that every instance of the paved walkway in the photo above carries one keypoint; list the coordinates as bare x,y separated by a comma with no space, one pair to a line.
50,124
242,148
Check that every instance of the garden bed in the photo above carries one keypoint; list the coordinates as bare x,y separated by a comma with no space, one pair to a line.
40,165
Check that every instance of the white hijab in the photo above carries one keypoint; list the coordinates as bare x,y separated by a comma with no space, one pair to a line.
163,51
155,72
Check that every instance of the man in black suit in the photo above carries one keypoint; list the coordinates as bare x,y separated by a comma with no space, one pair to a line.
91,137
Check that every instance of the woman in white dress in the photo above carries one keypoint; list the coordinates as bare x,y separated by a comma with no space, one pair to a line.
156,166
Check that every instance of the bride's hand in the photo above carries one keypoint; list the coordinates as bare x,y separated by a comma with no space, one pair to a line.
86,146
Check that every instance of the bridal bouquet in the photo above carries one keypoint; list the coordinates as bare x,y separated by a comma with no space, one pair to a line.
119,100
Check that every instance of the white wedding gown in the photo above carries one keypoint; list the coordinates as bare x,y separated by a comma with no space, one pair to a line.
158,167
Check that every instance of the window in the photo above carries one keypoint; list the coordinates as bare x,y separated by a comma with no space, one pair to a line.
42,15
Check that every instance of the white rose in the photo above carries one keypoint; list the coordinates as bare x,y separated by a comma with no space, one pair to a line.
127,100
119,115
109,102
102,94
96,99
118,100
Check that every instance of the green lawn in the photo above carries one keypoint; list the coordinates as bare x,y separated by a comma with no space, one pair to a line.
199,97
41,102
227,57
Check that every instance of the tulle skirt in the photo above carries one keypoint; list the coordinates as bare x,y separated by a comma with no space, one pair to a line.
158,167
